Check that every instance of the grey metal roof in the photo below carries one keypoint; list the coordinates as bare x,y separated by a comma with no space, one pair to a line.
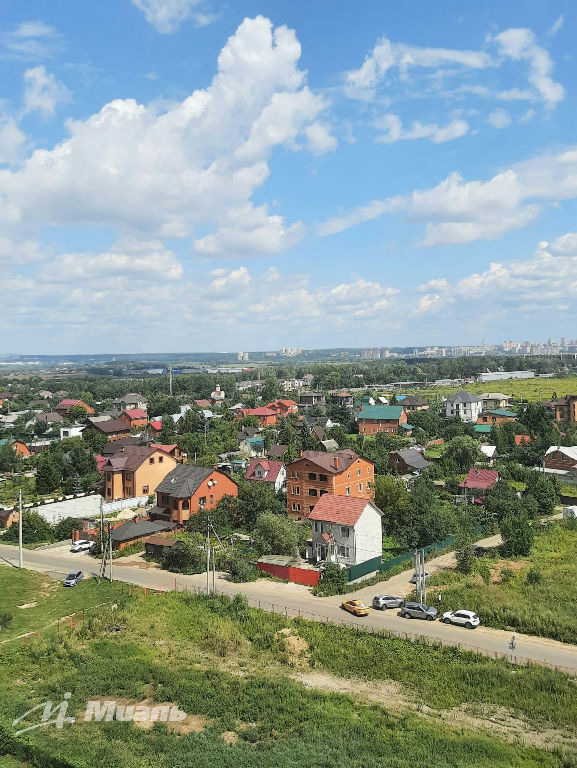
413,458
464,397
184,480
132,530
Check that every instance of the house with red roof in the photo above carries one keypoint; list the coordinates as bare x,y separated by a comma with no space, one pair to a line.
65,406
267,471
522,439
134,418
284,408
478,482
172,450
265,416
346,531
155,427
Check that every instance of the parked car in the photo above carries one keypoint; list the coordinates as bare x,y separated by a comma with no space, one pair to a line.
413,579
382,602
462,618
419,611
356,607
81,545
73,578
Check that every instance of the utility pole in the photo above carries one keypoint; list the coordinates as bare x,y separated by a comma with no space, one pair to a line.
20,552
110,549
424,576
213,570
170,379
208,556
101,520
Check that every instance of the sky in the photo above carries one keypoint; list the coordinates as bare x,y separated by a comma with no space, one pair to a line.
201,175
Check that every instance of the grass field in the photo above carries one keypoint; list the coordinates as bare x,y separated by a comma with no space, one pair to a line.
258,697
546,607
523,389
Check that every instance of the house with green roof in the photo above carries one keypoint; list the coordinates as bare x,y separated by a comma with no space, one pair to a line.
390,419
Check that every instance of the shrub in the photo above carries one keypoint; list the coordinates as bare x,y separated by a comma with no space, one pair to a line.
534,576
240,569
333,581
5,620
507,575
484,572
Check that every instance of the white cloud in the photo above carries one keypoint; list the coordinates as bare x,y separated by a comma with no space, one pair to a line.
499,118
565,245
393,127
43,92
189,169
167,15
319,138
521,45
557,25
11,140
459,211
30,40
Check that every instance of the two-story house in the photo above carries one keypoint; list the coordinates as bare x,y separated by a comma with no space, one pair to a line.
131,401
496,416
134,418
565,409
315,473
414,403
561,460
65,406
390,419
267,471
284,408
464,406
135,470
492,400
346,531
114,429
187,489
266,417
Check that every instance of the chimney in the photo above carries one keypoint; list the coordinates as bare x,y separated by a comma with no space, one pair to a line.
362,408
336,461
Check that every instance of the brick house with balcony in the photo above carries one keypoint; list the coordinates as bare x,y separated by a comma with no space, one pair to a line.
315,473
497,416
135,470
187,489
565,409
390,419
134,418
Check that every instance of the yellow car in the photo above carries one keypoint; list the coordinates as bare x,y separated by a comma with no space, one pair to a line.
356,607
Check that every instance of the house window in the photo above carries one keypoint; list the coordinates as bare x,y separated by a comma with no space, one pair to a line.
296,490
185,504
312,476
144,489
318,527
368,470
358,472
311,509
151,460
345,532
313,492
160,459
348,475
296,507
360,487
343,551
322,493
323,478
368,486
348,491
165,499
202,501
211,499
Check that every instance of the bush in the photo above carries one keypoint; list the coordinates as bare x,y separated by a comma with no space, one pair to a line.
333,581
240,569
534,576
507,575
5,620
484,572
35,529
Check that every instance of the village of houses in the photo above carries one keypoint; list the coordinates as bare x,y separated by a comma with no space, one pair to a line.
150,490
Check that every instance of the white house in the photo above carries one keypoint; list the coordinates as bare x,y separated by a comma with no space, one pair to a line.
345,530
75,431
267,471
464,406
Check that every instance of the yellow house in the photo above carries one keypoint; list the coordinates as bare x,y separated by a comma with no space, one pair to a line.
135,470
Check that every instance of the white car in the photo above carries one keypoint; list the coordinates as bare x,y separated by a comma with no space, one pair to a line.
466,619
81,545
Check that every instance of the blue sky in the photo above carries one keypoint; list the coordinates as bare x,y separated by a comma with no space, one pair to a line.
190,175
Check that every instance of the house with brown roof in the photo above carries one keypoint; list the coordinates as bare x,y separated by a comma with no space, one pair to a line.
414,403
565,409
316,473
65,406
135,470
267,471
115,429
265,416
187,489
346,531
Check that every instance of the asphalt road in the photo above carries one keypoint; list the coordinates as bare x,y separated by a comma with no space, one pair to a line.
294,599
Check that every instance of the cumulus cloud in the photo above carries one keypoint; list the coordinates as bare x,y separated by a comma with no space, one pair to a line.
167,15
499,118
11,140
43,92
459,211
393,127
191,166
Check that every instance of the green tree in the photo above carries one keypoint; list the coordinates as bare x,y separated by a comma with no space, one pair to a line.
94,439
254,499
9,462
168,431
187,555
48,474
391,497
543,491
64,528
34,529
464,548
190,423
517,535
77,413
464,451
277,535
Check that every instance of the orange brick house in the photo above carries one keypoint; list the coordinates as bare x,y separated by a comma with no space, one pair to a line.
565,409
115,429
65,406
135,470
498,416
19,448
134,418
187,489
381,418
342,473
266,416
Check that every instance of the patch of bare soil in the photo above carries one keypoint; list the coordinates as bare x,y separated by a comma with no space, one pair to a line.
513,565
136,712
297,649
229,737
28,605
397,698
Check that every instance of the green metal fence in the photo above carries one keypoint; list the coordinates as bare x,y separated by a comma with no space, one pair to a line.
362,569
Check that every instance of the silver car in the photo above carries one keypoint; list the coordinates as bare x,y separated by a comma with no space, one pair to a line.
419,611
382,602
73,578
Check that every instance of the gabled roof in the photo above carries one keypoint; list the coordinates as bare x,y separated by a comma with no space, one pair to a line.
568,450
326,461
503,412
272,469
385,412
522,439
262,411
495,396
156,425
164,448
133,530
482,428
277,451
412,458
488,450
414,400
109,427
185,480
343,510
136,413
480,479
464,397
129,458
